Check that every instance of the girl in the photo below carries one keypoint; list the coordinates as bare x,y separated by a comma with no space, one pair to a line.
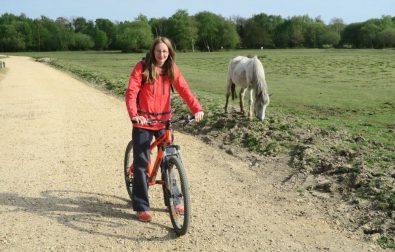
148,96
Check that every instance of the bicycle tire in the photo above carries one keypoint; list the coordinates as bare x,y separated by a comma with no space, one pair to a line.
177,179
127,165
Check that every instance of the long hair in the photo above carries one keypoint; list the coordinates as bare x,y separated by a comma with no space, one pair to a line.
149,73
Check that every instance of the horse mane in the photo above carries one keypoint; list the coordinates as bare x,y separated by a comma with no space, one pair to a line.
259,74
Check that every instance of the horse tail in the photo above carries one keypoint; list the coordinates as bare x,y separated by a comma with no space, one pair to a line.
233,88
229,80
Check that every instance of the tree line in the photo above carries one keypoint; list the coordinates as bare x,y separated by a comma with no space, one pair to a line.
204,31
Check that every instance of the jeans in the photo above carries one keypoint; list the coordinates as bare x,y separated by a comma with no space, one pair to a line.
141,142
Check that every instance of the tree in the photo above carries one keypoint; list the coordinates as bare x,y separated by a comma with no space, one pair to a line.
294,32
208,30
159,26
81,25
281,38
183,30
240,28
134,36
314,32
387,22
82,41
260,31
38,31
15,32
330,38
230,38
337,25
24,26
109,28
11,39
351,35
205,30
300,26
386,38
100,39
49,35
212,29
368,34
64,33
64,22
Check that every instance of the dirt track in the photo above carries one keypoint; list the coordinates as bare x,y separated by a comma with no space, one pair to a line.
61,183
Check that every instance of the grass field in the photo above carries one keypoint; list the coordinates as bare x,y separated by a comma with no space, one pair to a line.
354,89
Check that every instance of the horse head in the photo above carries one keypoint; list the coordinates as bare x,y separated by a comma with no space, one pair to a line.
262,100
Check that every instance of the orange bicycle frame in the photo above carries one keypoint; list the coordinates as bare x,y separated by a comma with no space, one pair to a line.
159,143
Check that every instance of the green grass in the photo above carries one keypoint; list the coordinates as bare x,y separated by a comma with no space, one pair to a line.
332,89
332,111
386,242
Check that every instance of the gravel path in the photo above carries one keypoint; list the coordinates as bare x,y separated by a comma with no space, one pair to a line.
62,189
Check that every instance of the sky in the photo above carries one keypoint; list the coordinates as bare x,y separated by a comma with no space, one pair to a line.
350,11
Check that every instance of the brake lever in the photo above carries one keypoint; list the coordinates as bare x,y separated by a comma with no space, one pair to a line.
189,118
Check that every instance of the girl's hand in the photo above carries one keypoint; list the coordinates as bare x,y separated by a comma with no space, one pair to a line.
140,120
199,116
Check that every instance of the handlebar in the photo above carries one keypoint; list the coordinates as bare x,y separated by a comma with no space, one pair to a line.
185,118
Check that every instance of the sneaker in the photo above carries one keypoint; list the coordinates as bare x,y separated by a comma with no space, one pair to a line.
144,216
180,208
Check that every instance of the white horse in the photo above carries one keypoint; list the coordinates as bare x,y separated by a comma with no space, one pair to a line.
248,73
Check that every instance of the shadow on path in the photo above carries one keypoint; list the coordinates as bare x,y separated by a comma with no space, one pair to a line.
88,212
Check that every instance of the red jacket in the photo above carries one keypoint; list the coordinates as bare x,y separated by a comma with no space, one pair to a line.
154,98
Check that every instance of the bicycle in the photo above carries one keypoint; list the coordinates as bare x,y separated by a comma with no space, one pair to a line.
173,180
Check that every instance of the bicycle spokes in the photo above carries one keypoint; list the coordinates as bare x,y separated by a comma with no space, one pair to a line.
179,204
130,171
177,199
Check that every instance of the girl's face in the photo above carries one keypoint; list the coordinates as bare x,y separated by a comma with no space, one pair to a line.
161,53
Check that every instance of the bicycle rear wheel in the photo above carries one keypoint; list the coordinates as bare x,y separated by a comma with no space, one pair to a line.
178,200
128,168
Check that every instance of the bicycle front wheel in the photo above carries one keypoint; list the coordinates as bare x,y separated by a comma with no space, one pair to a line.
128,168
178,200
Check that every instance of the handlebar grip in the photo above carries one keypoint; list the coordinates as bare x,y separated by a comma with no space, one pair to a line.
189,118
149,120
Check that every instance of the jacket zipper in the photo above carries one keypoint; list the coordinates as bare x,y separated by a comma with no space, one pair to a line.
163,87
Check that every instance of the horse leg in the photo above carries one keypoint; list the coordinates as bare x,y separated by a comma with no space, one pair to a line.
226,103
250,104
233,89
228,86
241,94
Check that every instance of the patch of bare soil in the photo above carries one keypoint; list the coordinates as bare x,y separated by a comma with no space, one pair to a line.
62,186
